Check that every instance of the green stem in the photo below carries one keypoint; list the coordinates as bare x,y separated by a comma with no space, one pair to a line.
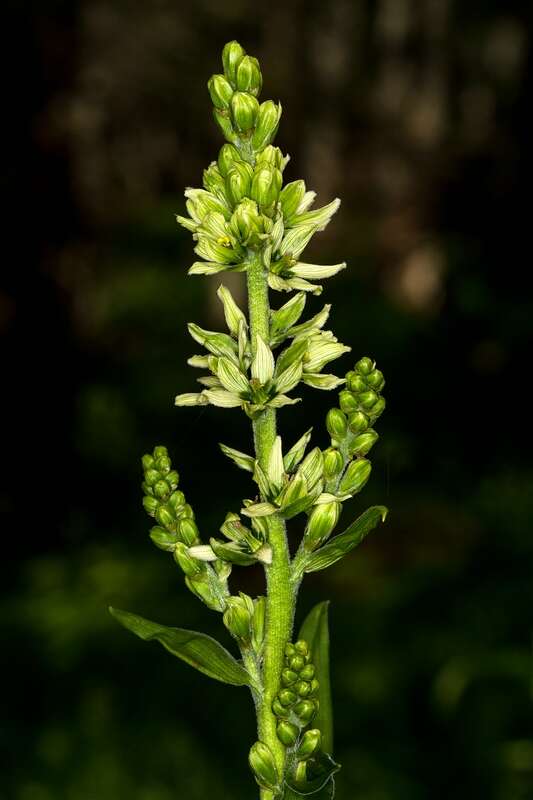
280,597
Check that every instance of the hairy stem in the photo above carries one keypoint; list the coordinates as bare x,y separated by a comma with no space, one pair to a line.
280,597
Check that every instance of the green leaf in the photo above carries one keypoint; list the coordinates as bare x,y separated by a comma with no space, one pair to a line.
196,649
337,547
315,631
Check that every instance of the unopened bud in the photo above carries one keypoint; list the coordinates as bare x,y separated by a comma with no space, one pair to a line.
266,124
161,489
301,647
306,710
322,521
336,423
224,123
279,710
227,156
368,399
188,532
303,688
333,463
165,517
308,672
266,184
151,504
296,663
287,733
272,156
286,697
151,476
172,479
288,677
176,500
263,766
189,565
356,383
221,91
309,744
160,450
363,443
238,182
364,366
163,539
246,221
376,380
358,422
348,401
248,76
232,56
290,197
378,408
356,476
148,461
237,619
163,464
244,111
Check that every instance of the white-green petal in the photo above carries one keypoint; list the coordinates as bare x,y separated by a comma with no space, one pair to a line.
307,200
316,322
222,398
278,284
207,268
296,239
211,381
289,378
241,459
261,478
187,223
321,352
232,312
201,362
208,249
220,344
316,272
191,399
281,400
231,377
277,233
275,469
259,510
320,217
287,315
263,362
304,286
297,451
319,381
202,552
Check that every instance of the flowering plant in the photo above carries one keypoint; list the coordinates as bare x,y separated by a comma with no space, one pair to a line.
245,219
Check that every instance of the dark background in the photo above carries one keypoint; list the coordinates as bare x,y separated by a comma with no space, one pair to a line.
415,114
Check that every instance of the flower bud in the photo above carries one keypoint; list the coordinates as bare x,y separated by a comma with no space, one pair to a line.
348,401
336,423
364,366
356,383
309,744
165,517
378,408
201,587
308,672
147,461
289,650
368,399
151,476
266,184
303,688
288,677
286,697
315,686
272,156
266,124
214,182
232,55
322,520
376,380
246,221
190,566
263,766
221,91
279,710
160,450
333,463
163,464
237,619
188,532
296,663
287,733
150,505
227,156
291,196
358,422
238,182
172,479
363,443
356,476
176,500
301,647
248,76
161,489
244,111
306,710
224,123
163,539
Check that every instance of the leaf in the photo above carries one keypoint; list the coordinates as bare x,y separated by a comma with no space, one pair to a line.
337,547
196,649
315,631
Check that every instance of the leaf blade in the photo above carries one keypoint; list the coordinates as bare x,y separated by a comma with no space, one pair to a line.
315,631
196,649
342,544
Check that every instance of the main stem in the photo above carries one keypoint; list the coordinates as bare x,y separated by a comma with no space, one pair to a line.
280,598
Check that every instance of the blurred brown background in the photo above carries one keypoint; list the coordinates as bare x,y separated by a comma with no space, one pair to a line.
416,113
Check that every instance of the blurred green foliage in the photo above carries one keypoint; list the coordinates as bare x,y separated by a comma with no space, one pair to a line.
416,117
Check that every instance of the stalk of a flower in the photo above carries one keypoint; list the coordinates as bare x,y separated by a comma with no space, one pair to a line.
246,218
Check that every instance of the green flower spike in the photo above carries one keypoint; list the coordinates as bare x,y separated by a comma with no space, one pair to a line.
246,217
